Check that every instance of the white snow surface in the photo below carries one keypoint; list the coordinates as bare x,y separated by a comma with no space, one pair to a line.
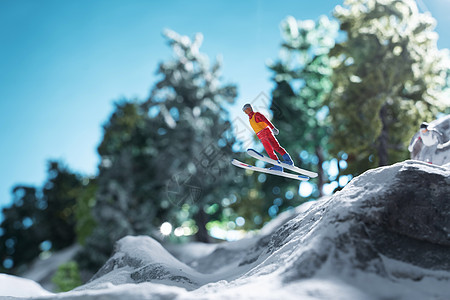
20,287
320,250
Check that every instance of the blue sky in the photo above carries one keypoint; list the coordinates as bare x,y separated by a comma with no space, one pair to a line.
64,63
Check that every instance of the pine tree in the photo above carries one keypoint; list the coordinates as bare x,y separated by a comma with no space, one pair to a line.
20,238
128,184
190,99
387,79
85,222
302,82
60,194
164,159
40,219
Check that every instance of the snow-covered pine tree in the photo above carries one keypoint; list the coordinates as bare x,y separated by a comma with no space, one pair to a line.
164,157
190,98
128,184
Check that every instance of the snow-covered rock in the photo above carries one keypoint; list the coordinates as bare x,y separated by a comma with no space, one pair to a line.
386,235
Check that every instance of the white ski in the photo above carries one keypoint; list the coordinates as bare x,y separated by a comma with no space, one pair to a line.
257,155
240,164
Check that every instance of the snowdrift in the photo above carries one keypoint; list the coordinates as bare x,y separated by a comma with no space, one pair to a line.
20,287
386,235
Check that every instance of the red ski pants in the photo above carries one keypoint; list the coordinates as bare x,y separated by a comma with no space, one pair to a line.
270,143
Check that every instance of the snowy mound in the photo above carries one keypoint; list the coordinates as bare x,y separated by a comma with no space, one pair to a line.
386,235
20,287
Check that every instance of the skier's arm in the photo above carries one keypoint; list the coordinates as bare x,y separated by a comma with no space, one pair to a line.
439,134
443,146
261,118
413,142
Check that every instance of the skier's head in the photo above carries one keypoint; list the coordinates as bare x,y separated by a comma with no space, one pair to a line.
247,108
424,127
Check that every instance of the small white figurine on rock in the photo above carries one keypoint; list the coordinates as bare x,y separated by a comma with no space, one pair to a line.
432,143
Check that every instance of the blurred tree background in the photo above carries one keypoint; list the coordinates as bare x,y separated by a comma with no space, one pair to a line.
125,201
302,83
387,77
344,102
190,98
40,219
165,159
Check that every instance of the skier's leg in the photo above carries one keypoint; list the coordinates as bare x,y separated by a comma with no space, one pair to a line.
277,147
264,136
269,149
271,153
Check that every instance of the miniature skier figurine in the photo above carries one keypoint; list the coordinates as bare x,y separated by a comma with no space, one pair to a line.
432,142
265,131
